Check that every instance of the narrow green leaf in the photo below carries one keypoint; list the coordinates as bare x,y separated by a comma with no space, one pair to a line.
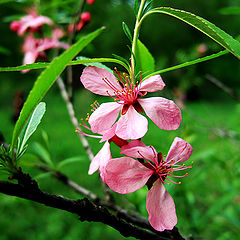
144,59
70,161
96,64
31,125
46,80
127,31
230,10
135,7
42,153
122,59
78,62
204,26
186,64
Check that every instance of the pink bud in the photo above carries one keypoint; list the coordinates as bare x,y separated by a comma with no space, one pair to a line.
202,49
85,17
15,25
90,2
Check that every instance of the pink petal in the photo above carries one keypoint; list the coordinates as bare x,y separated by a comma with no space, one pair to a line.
131,125
125,175
161,208
138,149
92,79
101,159
152,84
109,134
179,151
102,119
163,112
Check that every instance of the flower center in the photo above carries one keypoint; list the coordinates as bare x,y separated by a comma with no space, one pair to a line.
127,93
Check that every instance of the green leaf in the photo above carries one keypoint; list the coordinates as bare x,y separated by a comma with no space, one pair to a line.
136,7
46,80
204,26
70,161
42,153
31,125
78,62
96,64
127,31
144,59
186,64
122,59
230,10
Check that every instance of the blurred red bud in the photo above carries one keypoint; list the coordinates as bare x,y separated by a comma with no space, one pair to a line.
15,25
85,17
90,2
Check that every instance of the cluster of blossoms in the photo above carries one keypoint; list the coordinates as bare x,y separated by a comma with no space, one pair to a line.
121,121
34,47
35,43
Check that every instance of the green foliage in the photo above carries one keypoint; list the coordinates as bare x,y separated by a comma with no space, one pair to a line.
204,26
127,31
31,126
47,78
144,59
186,64
230,10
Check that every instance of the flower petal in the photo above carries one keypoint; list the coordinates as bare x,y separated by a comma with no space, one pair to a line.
109,133
152,84
92,79
101,159
161,208
131,125
102,119
125,175
179,151
163,112
138,149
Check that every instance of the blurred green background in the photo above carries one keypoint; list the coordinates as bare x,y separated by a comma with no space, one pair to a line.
208,200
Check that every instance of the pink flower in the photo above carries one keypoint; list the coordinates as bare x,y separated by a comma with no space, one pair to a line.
131,125
125,175
30,22
35,47
108,136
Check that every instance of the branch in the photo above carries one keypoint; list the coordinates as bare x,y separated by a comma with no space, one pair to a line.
73,117
86,210
222,86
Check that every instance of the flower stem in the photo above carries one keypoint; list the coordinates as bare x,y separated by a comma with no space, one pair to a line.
135,35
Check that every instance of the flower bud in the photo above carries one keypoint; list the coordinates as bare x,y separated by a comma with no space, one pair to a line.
90,2
15,25
85,17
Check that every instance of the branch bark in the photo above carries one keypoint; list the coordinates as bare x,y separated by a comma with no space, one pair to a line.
85,209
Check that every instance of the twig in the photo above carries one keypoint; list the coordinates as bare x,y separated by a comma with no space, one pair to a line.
86,210
71,37
225,88
73,117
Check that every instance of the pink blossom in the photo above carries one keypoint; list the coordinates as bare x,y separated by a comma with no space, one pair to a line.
128,100
31,22
107,136
35,47
125,175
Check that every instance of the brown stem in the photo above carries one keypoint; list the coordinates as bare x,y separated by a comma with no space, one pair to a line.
85,209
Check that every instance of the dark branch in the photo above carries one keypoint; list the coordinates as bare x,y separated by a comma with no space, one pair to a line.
86,210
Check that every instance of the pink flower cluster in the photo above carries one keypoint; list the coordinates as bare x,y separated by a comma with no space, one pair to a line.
34,47
121,121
